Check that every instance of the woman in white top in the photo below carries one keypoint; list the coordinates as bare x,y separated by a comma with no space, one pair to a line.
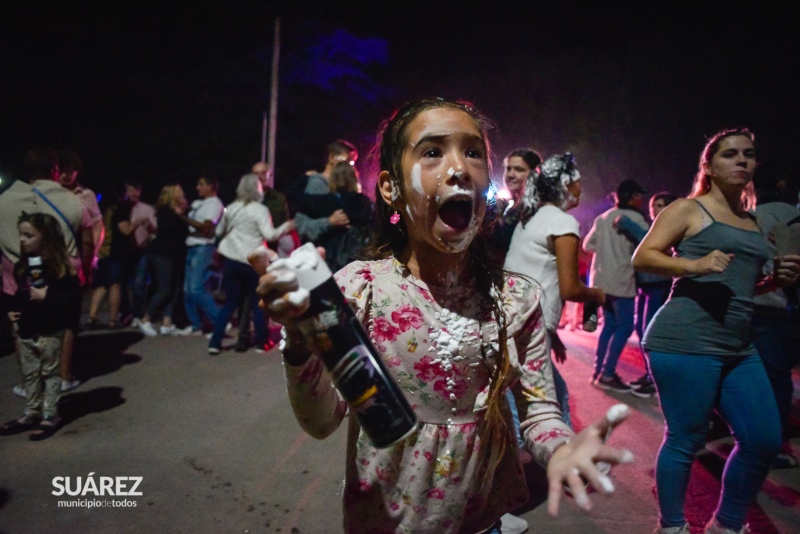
545,245
245,225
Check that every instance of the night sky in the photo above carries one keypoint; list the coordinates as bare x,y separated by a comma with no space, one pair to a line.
161,93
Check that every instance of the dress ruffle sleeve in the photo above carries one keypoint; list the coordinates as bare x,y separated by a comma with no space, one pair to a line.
540,421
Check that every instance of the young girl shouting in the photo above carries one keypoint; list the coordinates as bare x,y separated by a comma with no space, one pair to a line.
455,332
39,321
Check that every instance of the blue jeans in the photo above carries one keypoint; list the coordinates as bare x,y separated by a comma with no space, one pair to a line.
196,296
239,279
617,328
690,387
164,273
139,286
780,354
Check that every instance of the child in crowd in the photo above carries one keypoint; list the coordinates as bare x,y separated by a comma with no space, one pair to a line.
39,322
456,332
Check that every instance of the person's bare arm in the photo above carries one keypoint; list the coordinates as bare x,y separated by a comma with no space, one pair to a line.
98,234
589,240
654,253
570,286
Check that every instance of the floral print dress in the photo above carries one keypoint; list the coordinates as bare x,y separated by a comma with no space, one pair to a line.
432,340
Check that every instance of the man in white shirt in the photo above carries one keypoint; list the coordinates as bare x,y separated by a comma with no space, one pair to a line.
203,217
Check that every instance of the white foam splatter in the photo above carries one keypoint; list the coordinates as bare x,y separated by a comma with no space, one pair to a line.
617,413
284,276
306,258
416,178
456,331
408,211
301,297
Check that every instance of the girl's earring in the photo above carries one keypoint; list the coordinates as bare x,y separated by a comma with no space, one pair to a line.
395,218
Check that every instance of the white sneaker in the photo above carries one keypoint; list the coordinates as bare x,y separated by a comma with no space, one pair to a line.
68,385
673,530
713,527
19,391
136,322
148,329
188,331
511,524
168,330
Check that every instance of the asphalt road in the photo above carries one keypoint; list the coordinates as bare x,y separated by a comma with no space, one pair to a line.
218,450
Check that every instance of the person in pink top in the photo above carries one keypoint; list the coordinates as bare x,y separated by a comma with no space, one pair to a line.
142,237
92,233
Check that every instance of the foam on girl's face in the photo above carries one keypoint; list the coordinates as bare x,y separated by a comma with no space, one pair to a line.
441,153
452,172
416,190
416,179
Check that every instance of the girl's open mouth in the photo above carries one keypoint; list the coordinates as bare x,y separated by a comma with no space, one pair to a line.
456,213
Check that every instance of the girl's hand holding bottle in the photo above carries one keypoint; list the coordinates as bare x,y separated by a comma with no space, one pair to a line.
282,297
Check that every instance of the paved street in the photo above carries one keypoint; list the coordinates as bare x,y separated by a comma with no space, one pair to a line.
218,449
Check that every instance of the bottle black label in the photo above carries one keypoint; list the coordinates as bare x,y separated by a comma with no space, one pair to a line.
356,367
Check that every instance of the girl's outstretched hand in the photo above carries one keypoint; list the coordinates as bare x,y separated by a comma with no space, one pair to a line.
575,463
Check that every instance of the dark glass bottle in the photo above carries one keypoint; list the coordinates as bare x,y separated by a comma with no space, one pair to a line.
347,353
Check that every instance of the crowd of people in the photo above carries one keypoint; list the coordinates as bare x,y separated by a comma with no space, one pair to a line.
462,292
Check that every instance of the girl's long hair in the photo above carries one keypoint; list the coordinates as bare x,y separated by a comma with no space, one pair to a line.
496,432
702,181
55,261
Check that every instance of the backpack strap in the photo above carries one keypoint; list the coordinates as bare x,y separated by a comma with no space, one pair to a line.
60,214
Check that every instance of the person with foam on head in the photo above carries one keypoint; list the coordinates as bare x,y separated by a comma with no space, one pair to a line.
545,246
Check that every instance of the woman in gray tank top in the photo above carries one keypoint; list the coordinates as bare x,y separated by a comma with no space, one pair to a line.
699,345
